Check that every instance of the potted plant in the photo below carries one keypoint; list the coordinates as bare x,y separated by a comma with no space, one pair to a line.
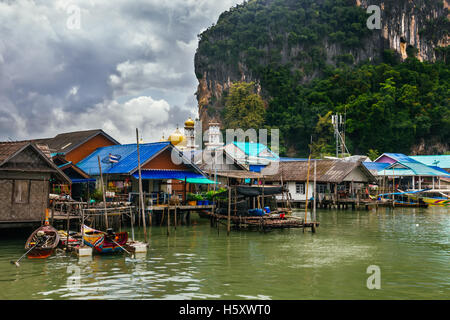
199,199
191,199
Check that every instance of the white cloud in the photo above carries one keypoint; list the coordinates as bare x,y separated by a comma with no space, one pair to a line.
129,64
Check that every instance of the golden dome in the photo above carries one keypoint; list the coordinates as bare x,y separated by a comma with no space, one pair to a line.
162,139
176,137
189,123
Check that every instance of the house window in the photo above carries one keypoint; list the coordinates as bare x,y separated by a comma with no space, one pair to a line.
21,191
321,188
299,188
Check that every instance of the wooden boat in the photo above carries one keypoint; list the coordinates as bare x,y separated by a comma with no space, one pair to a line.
436,201
432,197
74,238
45,239
103,242
404,199
410,204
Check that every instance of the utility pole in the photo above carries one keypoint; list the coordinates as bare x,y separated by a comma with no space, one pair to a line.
141,197
339,133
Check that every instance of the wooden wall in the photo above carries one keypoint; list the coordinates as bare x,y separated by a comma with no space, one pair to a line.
34,208
164,161
87,148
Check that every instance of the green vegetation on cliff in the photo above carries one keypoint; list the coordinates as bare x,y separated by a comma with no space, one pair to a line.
310,61
388,106
243,107
259,33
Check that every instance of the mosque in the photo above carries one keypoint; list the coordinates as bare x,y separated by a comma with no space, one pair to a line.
186,141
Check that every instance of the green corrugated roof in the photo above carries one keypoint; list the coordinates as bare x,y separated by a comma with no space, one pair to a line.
441,161
418,168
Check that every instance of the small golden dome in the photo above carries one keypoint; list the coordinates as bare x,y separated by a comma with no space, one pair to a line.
176,137
189,123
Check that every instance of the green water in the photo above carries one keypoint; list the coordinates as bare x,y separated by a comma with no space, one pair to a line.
410,246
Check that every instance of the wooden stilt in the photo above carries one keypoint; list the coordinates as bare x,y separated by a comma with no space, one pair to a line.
307,184
168,220
229,208
175,216
314,204
68,226
103,192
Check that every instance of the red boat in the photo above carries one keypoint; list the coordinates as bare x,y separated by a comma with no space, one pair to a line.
44,240
105,242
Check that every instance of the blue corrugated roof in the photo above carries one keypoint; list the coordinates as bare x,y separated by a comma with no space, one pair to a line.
439,169
167,174
130,163
441,161
127,154
376,165
418,168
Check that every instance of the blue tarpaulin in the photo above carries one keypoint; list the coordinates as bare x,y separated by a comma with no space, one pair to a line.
199,181
167,174
82,180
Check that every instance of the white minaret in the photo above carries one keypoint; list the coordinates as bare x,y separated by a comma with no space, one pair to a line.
214,136
189,133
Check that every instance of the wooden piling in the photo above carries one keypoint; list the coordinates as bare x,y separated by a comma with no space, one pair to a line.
229,209
313,228
168,220
175,216
103,192
68,226
307,184
141,199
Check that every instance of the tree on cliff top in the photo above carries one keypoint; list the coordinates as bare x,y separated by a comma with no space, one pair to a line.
244,108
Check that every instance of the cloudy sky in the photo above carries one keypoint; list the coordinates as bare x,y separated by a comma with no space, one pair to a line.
69,65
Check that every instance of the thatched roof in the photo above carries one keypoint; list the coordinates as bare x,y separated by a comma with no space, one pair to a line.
334,171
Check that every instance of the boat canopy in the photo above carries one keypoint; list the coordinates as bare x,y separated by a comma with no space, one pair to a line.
257,191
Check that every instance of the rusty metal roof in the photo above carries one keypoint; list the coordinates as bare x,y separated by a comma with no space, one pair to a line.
238,174
333,171
65,142
10,149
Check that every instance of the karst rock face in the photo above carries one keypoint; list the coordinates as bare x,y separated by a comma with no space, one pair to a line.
405,25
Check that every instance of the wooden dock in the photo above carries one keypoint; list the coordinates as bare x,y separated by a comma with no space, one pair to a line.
179,207
262,223
344,204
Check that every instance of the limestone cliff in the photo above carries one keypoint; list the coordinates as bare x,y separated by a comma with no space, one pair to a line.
406,26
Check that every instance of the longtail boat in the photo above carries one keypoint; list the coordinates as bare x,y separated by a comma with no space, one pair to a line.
410,204
74,238
44,240
432,197
404,199
436,201
103,242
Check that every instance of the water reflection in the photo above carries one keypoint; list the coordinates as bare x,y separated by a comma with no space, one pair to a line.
411,246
